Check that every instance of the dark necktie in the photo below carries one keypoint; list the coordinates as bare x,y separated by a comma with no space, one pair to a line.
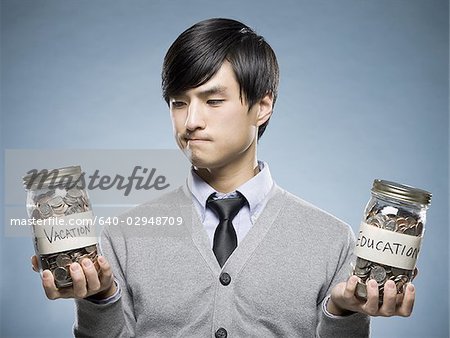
225,239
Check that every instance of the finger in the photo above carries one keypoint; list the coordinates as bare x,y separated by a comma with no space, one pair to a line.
34,263
48,282
79,281
93,282
371,305
407,305
389,299
399,298
350,288
106,275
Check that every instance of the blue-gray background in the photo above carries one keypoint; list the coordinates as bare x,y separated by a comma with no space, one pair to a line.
363,95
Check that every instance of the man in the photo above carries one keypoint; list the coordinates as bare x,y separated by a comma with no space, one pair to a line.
249,259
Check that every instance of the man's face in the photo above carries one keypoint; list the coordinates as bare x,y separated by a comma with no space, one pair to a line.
212,126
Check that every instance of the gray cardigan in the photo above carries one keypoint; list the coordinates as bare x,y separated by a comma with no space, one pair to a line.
172,285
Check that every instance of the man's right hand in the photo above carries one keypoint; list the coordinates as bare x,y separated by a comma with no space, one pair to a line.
86,281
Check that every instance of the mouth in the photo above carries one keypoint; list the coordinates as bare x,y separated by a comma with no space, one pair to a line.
195,139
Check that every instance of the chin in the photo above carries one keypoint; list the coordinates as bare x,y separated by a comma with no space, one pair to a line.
195,160
199,164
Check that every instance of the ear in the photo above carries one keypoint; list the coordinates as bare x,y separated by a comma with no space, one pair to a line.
264,109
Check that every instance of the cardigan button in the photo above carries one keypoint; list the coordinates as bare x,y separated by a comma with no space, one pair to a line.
225,279
221,333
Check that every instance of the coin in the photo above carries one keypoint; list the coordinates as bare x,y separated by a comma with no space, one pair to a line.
74,193
378,273
61,209
36,214
84,203
44,263
90,248
410,231
375,221
51,192
419,229
361,262
390,225
80,258
397,271
361,272
42,198
60,274
361,291
69,200
74,209
76,256
45,210
63,260
56,202
400,281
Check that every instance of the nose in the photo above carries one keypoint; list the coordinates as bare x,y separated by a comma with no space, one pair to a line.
194,119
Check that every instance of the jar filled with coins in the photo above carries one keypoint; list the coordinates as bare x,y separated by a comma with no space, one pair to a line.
390,235
62,220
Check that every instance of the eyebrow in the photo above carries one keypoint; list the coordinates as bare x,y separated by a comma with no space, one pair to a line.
218,89
213,91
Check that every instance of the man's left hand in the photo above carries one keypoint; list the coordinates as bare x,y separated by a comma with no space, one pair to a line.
343,300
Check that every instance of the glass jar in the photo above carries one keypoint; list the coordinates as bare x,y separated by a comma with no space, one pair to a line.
390,235
62,220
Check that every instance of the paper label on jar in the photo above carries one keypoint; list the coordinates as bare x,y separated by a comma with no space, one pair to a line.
64,233
387,247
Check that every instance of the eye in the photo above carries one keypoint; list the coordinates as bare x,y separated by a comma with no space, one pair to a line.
215,102
177,104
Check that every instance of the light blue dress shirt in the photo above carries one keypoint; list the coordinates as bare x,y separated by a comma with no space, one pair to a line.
256,191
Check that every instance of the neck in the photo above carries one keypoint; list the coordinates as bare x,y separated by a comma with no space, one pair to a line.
229,178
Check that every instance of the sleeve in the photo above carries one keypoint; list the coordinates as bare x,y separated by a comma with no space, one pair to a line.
115,318
111,299
356,325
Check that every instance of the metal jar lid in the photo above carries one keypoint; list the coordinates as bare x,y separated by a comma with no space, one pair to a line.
401,192
44,178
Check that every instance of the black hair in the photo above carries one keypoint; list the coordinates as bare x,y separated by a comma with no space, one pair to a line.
199,52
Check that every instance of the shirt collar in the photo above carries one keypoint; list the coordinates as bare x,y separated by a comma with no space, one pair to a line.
254,190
